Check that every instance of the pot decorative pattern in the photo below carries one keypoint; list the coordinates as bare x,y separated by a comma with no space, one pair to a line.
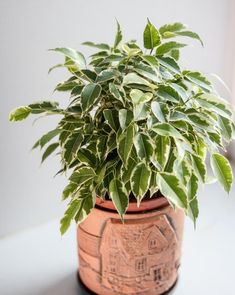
140,256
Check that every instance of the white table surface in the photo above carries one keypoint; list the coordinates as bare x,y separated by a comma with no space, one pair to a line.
38,261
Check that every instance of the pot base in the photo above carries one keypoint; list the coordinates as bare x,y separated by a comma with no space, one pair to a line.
141,256
86,291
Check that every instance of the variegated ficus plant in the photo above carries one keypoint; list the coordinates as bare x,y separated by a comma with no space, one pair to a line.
136,124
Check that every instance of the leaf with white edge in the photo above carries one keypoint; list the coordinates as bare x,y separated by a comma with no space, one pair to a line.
90,96
151,36
125,143
71,146
82,175
140,112
46,138
171,28
165,129
111,117
171,188
160,111
200,80
118,37
170,64
49,150
68,190
45,106
101,46
226,127
115,92
133,78
73,54
119,196
73,207
162,150
213,103
86,206
181,91
139,96
190,34
168,46
106,75
127,171
222,170
19,113
143,146
125,118
199,167
168,93
192,188
147,72
140,179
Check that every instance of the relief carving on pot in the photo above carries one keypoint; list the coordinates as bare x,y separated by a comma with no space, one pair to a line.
134,258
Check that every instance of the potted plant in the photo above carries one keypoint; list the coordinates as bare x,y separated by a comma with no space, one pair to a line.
134,141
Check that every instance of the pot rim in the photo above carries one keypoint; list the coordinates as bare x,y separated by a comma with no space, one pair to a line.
145,205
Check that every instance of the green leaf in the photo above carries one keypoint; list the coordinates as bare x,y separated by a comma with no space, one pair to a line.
192,188
115,92
160,111
199,167
139,96
87,157
86,206
171,188
162,150
101,46
90,96
118,37
168,46
46,138
45,106
168,93
133,78
111,116
119,196
147,72
170,64
190,34
125,143
143,146
212,103
82,175
19,113
72,146
172,28
151,36
140,112
68,190
140,180
125,118
200,80
50,149
106,75
73,207
73,54
165,129
222,170
226,127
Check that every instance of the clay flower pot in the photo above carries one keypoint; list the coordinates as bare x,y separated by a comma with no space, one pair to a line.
141,256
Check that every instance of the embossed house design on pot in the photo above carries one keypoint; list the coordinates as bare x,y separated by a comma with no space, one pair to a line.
142,255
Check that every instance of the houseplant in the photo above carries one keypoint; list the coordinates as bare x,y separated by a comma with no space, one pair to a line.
134,140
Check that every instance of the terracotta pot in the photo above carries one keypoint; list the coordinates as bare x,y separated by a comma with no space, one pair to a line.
141,256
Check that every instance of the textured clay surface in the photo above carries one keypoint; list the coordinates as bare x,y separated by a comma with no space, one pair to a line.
140,256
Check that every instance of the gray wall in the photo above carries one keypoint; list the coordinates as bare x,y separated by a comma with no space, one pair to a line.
29,195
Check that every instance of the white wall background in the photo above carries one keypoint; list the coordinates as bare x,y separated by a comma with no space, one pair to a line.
29,195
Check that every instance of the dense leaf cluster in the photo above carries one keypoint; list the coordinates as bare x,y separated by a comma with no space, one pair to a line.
136,123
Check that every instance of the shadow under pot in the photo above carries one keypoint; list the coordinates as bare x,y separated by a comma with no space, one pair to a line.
139,256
